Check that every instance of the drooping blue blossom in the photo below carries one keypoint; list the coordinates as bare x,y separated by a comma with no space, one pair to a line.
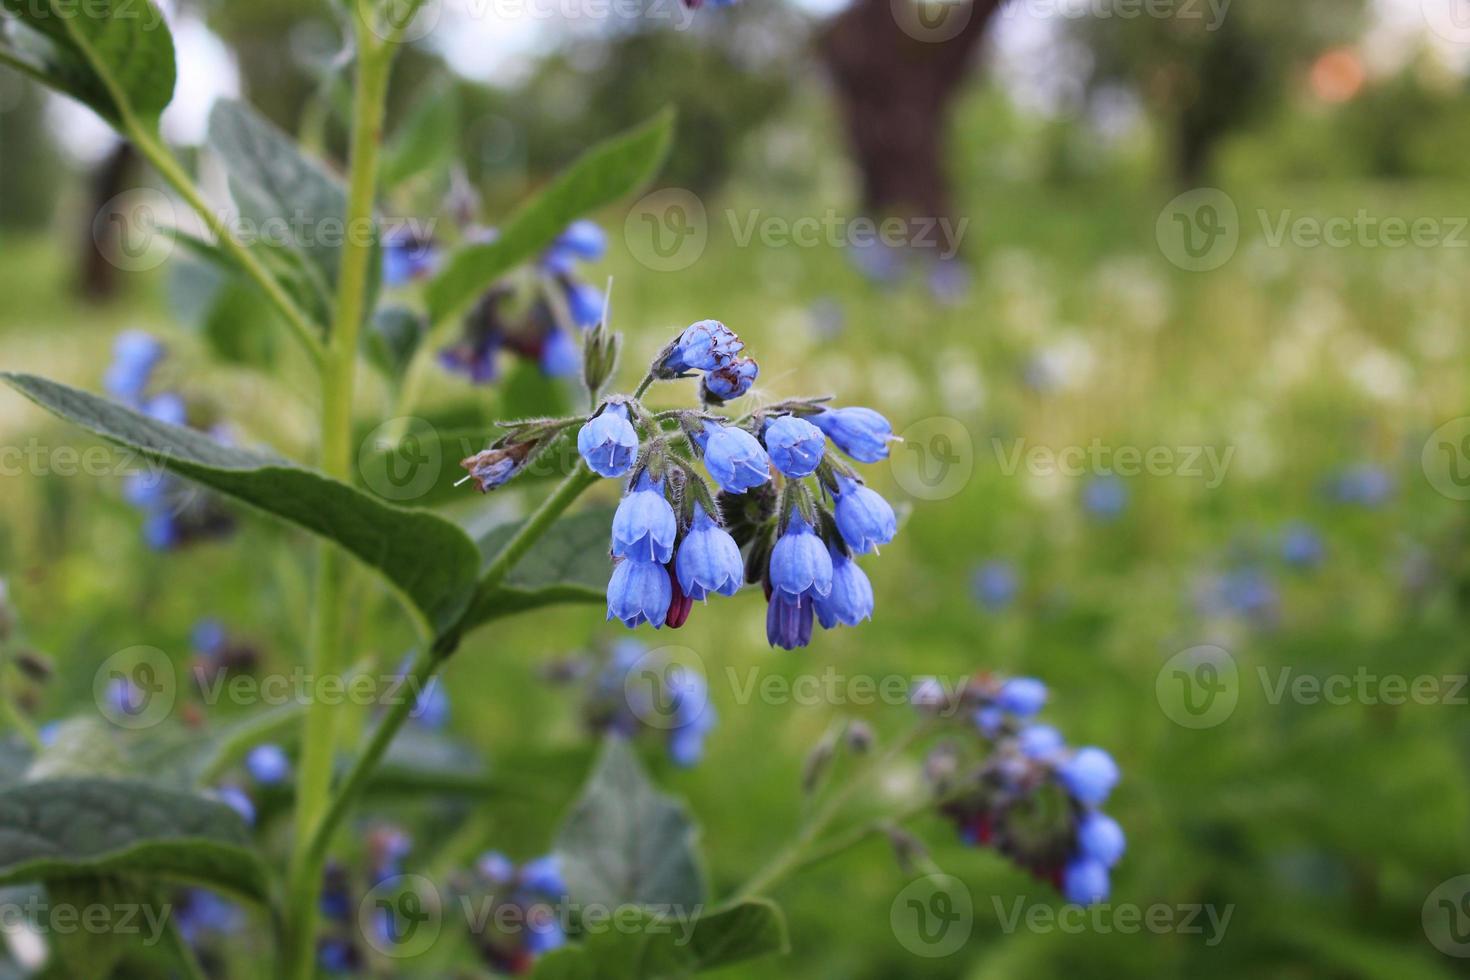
850,601
995,584
608,442
584,303
709,559
268,765
730,381
1089,775
1105,497
1021,696
522,921
560,356
208,637
861,433
407,256
493,467
1100,838
644,526
1040,741
135,354
583,241
800,563
474,356
639,592
734,457
202,916
795,446
863,517
693,716
1085,881
703,346
789,620
238,800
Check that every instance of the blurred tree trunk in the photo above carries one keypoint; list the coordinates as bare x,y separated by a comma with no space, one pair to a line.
97,280
896,83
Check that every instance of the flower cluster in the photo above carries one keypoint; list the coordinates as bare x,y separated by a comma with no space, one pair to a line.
1020,789
519,905
342,890
175,513
636,691
536,321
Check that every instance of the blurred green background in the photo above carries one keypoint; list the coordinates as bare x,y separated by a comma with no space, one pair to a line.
1324,825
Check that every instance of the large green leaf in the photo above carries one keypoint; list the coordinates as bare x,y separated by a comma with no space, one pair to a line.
294,210
116,56
602,175
569,564
626,843
430,560
67,828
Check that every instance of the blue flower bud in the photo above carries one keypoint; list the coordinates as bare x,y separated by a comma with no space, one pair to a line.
544,935
796,446
861,433
639,592
1101,838
800,564
268,765
608,442
167,407
407,257
583,239
1085,881
703,346
730,381
851,599
988,721
734,457
492,468
1089,775
1021,696
863,517
789,620
584,303
1039,741
644,526
995,585
693,719
208,636
1301,546
709,559
560,356
235,798
1105,497
496,867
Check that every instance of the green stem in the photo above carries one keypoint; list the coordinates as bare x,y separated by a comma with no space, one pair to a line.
578,480
184,956
313,782
169,168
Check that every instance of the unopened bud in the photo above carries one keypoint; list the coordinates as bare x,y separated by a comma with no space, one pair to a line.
907,849
860,737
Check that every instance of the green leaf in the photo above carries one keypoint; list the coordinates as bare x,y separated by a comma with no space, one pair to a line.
293,209
569,564
81,747
430,560
602,175
232,315
428,137
116,56
65,828
626,843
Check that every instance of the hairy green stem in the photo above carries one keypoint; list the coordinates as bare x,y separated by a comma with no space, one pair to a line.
339,373
578,480
163,161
